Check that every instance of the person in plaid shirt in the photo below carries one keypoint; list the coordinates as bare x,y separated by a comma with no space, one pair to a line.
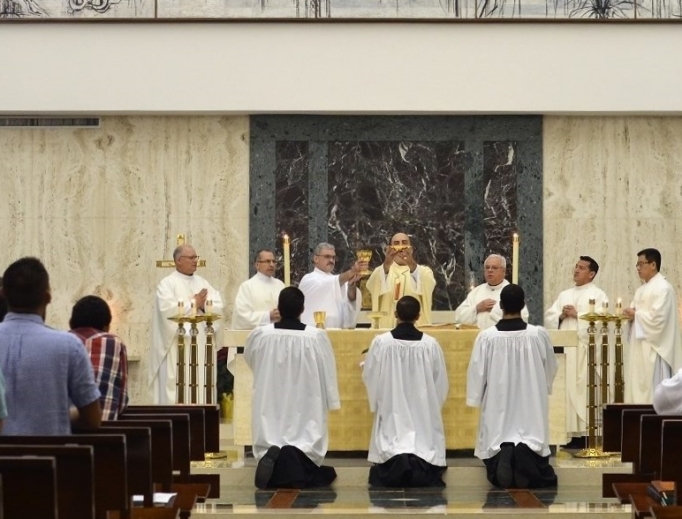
90,321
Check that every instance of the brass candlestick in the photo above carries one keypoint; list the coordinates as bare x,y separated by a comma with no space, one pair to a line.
193,361
208,369
604,372
180,384
594,445
619,381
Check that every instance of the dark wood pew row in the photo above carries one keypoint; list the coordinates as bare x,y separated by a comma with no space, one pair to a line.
74,467
22,479
207,485
109,454
612,423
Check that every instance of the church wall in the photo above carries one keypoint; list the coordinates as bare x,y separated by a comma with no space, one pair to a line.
100,206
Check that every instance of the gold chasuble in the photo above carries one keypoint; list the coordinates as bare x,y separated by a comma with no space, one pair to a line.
387,289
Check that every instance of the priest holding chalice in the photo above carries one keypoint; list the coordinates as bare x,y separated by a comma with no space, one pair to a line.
399,276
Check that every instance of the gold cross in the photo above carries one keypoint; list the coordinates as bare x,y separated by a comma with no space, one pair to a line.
164,264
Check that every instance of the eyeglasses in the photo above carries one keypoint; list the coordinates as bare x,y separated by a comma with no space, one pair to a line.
266,261
640,263
326,256
492,268
191,258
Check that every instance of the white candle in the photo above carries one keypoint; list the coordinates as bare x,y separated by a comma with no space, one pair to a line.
181,309
592,303
472,281
605,307
193,309
619,307
208,307
287,260
515,259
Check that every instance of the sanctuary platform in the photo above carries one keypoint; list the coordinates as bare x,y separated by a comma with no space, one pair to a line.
468,493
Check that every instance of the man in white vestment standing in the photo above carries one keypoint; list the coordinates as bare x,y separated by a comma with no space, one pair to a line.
399,276
256,302
510,377
335,294
655,349
407,384
294,386
482,306
182,287
564,315
668,395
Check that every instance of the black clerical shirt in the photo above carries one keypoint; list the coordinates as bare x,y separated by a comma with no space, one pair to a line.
511,325
288,323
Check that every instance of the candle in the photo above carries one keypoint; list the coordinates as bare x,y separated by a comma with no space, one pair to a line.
287,260
181,309
619,307
515,259
592,303
208,307
472,281
193,309
605,307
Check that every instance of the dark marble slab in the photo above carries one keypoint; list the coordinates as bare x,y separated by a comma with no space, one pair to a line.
458,185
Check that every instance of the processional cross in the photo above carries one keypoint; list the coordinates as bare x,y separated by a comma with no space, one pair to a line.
164,264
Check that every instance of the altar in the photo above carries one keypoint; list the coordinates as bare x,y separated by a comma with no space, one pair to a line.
350,427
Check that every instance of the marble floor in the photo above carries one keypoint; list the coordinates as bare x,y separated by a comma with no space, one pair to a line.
467,493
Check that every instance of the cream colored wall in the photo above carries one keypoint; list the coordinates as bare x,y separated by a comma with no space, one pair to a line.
100,206
612,187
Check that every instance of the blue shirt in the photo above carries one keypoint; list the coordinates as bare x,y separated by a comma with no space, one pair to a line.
45,371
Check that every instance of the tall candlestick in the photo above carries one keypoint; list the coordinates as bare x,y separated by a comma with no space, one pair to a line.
286,251
181,309
592,303
515,259
193,309
619,307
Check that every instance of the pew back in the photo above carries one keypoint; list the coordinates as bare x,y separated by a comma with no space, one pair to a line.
22,477
612,422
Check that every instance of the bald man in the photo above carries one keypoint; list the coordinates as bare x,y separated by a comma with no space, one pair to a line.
399,276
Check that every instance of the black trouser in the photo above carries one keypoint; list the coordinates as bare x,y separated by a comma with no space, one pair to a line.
530,469
406,470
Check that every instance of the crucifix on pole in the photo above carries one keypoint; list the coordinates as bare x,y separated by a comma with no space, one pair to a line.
164,264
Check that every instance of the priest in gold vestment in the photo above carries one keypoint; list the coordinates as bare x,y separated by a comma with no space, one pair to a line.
399,276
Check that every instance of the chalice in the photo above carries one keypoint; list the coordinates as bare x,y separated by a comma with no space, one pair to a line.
364,255
320,317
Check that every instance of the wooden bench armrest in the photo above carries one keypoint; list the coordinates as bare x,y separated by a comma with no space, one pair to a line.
666,512
641,503
186,498
623,491
609,480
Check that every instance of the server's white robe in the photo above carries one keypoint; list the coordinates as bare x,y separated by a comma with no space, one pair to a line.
164,352
256,298
576,358
387,289
466,312
654,352
668,395
294,385
323,293
510,378
407,384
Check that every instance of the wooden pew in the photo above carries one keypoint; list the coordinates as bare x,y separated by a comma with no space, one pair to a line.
612,424
162,448
111,492
24,478
75,476
671,455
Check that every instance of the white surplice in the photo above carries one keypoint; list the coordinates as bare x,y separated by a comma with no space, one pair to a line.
510,378
668,395
387,289
407,384
256,298
294,385
466,312
576,358
164,353
655,347
323,293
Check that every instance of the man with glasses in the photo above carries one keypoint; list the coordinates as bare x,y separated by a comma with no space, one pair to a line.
399,276
335,294
655,349
256,302
482,306
564,315
175,294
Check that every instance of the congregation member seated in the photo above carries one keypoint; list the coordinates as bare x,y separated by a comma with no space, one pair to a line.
294,386
90,322
668,395
407,384
510,377
45,370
